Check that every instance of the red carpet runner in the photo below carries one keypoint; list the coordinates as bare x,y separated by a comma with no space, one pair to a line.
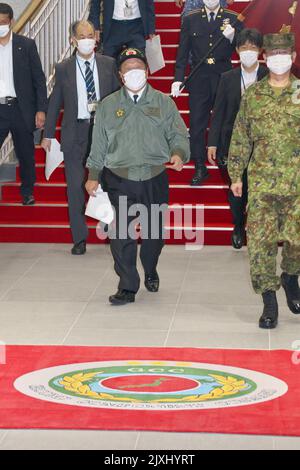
48,220
151,389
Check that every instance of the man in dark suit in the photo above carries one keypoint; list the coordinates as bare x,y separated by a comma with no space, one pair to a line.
200,32
232,86
23,97
81,82
125,23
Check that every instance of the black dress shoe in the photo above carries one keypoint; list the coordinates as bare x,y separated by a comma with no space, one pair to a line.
292,291
238,237
28,201
152,282
269,318
79,248
122,297
201,174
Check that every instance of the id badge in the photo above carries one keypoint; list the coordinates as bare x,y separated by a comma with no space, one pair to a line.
92,107
128,12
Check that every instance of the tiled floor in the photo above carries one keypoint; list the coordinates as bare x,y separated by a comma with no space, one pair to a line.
49,297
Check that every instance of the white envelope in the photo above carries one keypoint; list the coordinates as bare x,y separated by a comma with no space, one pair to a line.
54,158
100,207
154,54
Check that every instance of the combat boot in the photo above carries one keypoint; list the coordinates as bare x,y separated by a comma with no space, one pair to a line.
292,291
269,318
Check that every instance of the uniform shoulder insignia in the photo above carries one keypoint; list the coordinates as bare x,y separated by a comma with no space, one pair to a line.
234,13
193,12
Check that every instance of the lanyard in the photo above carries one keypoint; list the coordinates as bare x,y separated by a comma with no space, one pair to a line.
83,76
244,84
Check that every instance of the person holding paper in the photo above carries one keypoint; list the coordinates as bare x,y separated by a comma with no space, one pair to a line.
23,98
137,131
125,22
81,82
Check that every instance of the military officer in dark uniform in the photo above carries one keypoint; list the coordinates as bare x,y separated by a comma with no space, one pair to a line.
201,29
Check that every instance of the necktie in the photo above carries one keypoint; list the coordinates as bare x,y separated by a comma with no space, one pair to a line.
135,97
90,83
212,17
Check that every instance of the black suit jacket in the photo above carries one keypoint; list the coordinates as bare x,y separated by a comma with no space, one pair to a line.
226,108
29,79
198,35
65,96
146,9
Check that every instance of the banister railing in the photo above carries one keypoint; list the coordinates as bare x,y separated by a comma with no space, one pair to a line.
48,22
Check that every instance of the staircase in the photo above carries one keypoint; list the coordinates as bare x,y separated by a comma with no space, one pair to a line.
47,221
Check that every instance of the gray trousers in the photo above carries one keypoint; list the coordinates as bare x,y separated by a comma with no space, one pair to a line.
75,175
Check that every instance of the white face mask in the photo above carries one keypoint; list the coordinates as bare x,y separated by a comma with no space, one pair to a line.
280,63
211,4
4,30
86,46
249,58
135,79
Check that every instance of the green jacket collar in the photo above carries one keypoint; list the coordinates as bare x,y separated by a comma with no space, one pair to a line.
146,98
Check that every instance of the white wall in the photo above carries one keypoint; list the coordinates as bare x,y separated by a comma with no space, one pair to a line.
18,6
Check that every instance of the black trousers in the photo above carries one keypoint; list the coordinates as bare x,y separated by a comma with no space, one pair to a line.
123,247
11,120
129,33
238,205
75,161
202,90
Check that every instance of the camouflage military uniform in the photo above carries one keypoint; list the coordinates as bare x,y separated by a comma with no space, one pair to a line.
268,129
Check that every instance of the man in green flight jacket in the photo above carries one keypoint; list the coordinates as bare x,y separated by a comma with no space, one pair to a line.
137,131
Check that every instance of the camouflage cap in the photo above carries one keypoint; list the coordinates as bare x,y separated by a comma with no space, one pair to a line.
279,41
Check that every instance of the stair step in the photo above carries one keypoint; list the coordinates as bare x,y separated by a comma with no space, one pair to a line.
52,212
60,233
166,8
166,21
183,177
169,7
169,36
184,193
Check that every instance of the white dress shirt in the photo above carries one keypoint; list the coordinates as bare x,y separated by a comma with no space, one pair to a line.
83,112
215,12
248,79
7,87
119,10
139,94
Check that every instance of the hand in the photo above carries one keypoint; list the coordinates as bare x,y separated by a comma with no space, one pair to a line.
179,3
152,36
40,119
98,36
237,189
212,155
176,163
175,90
230,2
46,144
229,32
91,187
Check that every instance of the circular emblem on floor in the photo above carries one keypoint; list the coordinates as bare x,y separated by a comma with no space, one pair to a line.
151,385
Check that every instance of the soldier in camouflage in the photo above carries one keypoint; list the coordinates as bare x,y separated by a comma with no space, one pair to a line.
267,129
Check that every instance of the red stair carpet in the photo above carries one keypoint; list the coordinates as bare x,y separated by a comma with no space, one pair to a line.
47,221
151,389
